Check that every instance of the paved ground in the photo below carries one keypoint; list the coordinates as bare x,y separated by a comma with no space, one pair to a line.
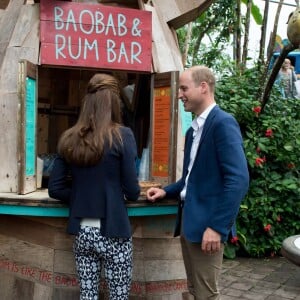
260,279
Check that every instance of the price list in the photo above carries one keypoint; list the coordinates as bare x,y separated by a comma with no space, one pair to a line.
161,131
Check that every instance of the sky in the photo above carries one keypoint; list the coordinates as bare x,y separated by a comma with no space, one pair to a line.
255,30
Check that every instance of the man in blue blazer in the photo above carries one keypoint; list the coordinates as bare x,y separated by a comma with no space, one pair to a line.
214,181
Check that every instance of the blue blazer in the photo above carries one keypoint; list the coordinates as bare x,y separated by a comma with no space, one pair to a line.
100,191
218,180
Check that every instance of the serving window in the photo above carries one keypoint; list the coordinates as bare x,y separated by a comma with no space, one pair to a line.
60,92
54,99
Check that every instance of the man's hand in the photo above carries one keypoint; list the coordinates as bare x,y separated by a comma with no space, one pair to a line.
155,193
211,242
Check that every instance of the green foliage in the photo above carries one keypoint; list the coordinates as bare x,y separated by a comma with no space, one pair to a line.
213,31
215,24
270,211
255,12
211,57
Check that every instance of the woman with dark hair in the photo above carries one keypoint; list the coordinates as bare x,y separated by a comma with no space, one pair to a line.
99,155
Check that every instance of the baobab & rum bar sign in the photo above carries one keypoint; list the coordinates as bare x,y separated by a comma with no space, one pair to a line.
95,35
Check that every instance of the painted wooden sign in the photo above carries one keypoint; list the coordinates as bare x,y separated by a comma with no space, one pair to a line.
30,126
27,95
96,36
161,132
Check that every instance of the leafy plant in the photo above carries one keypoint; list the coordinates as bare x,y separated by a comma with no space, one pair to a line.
270,211
214,30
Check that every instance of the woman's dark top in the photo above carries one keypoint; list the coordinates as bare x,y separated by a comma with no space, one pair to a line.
100,191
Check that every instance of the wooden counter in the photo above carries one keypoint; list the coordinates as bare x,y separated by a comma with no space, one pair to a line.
36,257
40,204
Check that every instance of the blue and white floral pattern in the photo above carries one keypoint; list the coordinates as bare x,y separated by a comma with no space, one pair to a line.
92,250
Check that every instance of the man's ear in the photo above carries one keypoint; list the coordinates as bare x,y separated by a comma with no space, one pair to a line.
204,87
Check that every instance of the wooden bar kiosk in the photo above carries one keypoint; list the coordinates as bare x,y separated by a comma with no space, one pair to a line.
48,52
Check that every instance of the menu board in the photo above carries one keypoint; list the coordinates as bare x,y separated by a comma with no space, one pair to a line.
30,121
161,131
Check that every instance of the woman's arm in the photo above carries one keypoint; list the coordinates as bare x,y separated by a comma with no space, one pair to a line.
129,178
57,187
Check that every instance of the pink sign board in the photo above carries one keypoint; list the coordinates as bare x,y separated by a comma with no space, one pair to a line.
95,35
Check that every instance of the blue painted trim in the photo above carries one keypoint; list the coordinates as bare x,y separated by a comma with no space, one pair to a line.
152,210
64,211
34,211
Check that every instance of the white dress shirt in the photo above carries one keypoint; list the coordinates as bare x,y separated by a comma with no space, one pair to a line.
197,125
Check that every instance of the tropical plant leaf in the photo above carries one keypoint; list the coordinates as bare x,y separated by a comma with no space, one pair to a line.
255,12
229,251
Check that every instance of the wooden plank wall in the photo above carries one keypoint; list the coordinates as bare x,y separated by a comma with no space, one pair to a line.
165,52
8,20
2,11
4,4
36,260
177,13
19,40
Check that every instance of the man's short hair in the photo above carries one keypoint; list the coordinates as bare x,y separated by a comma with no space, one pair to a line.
203,73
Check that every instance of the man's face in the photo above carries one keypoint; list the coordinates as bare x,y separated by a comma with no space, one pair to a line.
189,93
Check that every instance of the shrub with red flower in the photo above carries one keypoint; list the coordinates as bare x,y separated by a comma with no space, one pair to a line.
257,110
234,240
260,160
270,211
269,132
268,227
291,165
